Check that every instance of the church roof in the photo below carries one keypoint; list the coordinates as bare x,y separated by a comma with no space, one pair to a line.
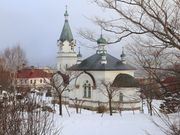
125,80
66,33
93,63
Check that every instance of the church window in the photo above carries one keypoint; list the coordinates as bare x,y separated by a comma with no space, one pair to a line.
87,90
121,97
85,94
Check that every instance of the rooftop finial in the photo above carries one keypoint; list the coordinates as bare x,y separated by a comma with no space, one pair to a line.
79,49
66,14
79,53
123,59
101,31
122,50
66,7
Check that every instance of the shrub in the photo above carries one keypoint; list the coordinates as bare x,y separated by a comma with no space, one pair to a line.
101,109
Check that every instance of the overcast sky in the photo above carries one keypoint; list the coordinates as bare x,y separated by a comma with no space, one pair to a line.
37,24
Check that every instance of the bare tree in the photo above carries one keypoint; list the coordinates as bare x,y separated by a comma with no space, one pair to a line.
13,59
171,124
157,65
109,91
77,104
5,76
59,83
158,20
25,116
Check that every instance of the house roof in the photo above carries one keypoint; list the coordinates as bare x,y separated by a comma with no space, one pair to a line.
125,80
170,79
32,73
93,63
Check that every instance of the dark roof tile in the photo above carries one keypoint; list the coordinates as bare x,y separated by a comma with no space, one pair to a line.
93,63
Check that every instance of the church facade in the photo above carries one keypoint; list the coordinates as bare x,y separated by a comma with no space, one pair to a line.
97,75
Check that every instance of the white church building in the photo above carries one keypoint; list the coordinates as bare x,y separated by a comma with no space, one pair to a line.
96,71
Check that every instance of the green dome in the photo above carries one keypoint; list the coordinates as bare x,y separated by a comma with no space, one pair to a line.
66,13
101,40
66,33
123,55
125,80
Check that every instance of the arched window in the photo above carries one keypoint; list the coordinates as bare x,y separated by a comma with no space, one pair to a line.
85,94
87,90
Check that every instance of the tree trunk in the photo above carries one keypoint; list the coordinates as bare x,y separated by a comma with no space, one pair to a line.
110,106
149,104
60,105
142,105
150,108
77,109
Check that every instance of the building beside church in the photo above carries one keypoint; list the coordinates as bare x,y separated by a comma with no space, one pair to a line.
99,68
33,78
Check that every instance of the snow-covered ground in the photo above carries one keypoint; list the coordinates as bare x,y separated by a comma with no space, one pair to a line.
91,123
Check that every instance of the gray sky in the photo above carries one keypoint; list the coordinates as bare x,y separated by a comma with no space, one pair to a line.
37,24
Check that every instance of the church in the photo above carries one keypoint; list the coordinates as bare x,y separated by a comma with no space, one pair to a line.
98,74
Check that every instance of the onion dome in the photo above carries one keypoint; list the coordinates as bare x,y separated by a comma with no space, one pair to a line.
101,40
66,33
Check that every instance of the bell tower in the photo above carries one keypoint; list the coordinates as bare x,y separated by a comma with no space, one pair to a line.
66,47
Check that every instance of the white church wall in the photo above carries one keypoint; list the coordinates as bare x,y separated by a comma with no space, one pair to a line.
66,47
66,55
130,95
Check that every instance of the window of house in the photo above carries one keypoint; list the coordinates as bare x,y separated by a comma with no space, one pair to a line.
31,81
66,66
87,90
121,97
34,81
41,81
